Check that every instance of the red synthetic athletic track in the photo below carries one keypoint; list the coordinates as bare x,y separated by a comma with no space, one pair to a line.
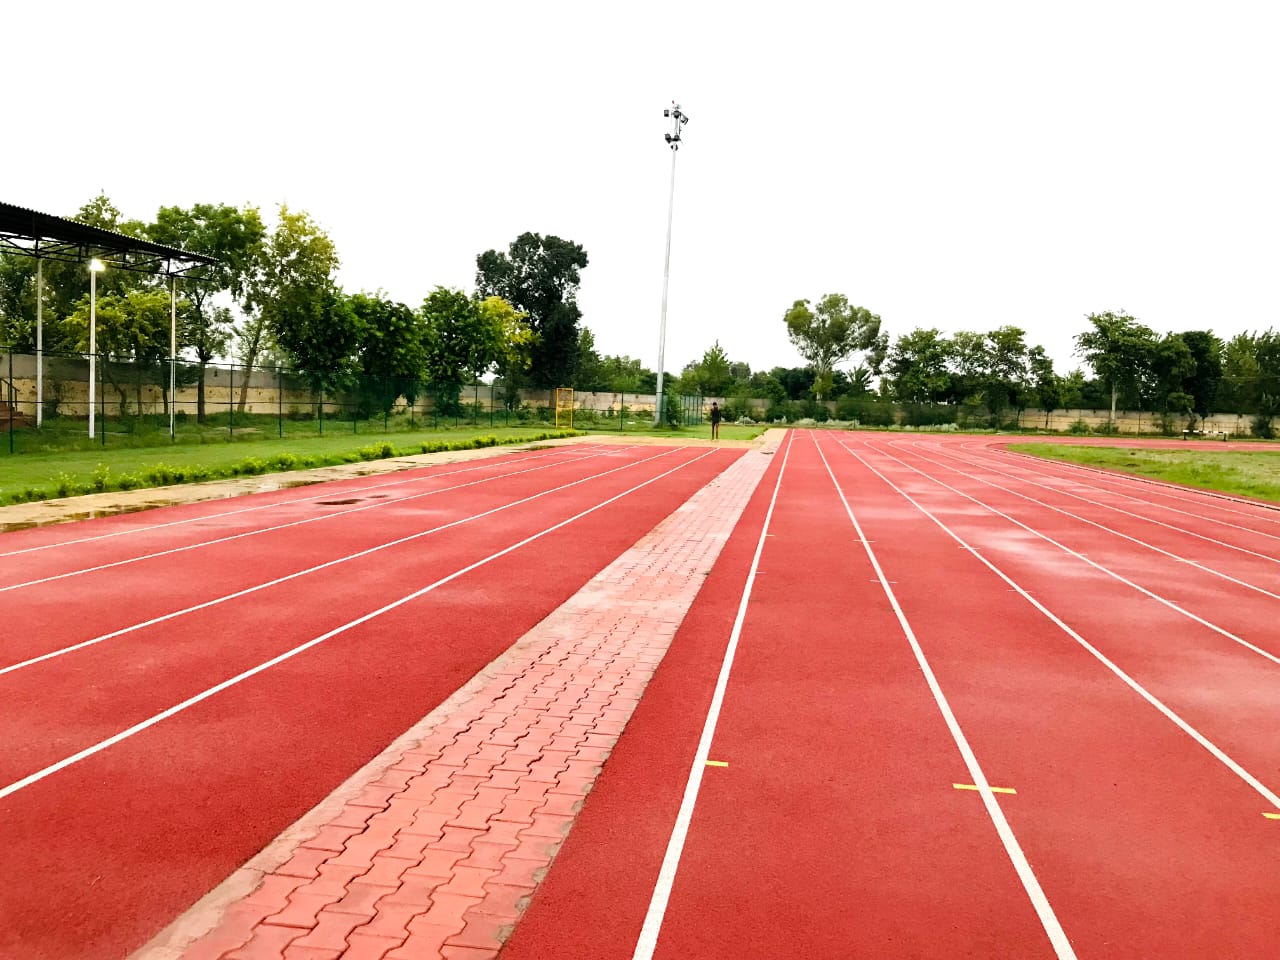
1108,648
100,854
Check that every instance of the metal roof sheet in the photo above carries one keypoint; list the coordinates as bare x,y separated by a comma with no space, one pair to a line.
36,234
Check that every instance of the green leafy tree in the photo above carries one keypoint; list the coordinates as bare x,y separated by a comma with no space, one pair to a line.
1266,351
1171,365
1046,385
131,328
1205,382
628,375
796,381
831,333
462,343
767,387
303,313
18,303
1240,382
712,376
1006,373
516,338
235,238
969,365
917,368
539,276
207,331
1073,390
1119,349
588,374
390,350
320,334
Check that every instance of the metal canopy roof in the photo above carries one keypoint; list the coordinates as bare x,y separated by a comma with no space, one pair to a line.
35,234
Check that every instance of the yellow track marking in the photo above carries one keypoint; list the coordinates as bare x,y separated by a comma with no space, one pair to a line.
972,786
1272,816
717,763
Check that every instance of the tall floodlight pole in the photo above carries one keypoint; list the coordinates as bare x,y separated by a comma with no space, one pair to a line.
95,267
173,353
678,120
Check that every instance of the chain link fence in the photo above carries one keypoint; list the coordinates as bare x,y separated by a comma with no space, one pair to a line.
135,404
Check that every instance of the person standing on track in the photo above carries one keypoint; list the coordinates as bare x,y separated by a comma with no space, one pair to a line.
715,420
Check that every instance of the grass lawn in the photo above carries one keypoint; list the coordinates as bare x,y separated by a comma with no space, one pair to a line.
41,474
1248,473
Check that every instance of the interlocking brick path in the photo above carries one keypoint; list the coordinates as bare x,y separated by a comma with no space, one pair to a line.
438,856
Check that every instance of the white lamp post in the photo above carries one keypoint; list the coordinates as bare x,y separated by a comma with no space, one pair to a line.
678,120
95,267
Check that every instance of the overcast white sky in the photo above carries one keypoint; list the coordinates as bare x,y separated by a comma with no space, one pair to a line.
959,165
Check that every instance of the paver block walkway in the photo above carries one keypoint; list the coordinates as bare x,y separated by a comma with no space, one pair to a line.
438,856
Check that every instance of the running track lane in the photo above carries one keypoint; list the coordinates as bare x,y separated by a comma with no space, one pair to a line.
100,855
257,611
834,830
1145,843
1217,638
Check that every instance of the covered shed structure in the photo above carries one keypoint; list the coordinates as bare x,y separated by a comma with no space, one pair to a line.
48,237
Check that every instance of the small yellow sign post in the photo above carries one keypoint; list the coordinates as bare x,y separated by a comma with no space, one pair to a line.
564,402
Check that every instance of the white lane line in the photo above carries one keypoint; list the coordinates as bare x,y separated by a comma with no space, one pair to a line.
1221,631
288,654
1103,527
417,476
322,566
1035,893
285,526
1136,687
1160,523
661,896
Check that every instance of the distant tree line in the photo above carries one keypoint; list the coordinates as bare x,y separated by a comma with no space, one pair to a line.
272,299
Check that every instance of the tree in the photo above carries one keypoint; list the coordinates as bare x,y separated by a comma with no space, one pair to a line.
1171,364
132,327
628,375
234,238
1240,380
917,367
1119,350
712,376
1204,384
969,365
516,352
1046,384
588,374
462,343
796,381
830,333
207,331
1266,351
1006,369
539,276
302,310
767,386
390,351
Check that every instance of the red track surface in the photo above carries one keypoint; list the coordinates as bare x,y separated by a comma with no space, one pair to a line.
836,831
1107,647
102,853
